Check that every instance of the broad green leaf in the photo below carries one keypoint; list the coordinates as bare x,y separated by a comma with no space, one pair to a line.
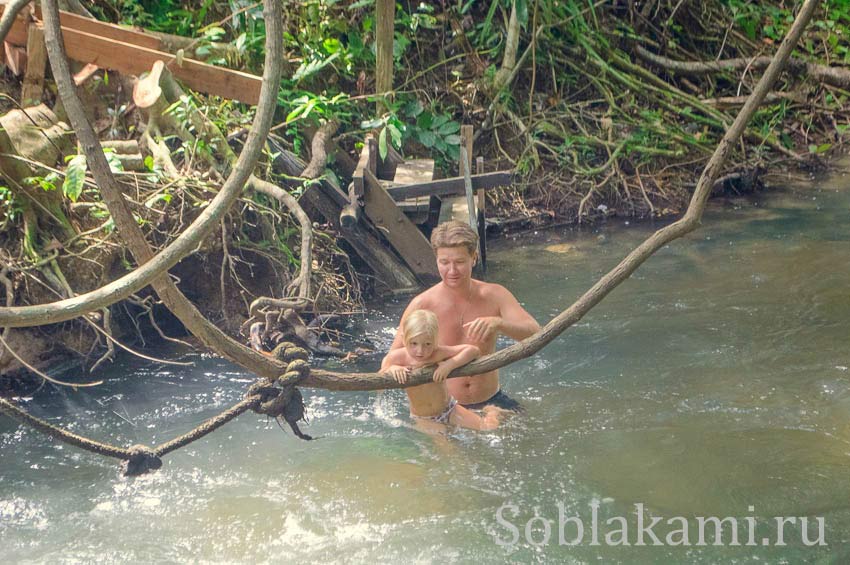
452,139
439,120
115,164
425,120
331,45
396,135
426,137
448,128
413,108
372,124
75,177
382,144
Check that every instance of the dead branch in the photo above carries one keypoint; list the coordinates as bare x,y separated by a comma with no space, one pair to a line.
303,280
155,267
195,233
319,151
835,76
10,12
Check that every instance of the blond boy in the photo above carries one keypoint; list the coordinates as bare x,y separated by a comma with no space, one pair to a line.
432,402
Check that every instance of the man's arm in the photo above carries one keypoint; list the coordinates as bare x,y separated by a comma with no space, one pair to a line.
516,322
512,321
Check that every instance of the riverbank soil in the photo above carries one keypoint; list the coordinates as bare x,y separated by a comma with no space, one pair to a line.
602,110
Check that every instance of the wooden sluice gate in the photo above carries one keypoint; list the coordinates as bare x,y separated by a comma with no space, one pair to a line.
401,202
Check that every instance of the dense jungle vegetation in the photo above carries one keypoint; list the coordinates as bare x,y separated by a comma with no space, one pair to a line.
607,108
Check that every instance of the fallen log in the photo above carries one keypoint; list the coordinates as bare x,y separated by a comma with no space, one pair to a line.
835,76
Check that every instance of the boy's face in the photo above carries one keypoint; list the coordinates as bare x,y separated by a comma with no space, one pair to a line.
421,347
455,266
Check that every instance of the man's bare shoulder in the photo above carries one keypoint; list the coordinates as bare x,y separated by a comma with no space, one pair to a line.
493,291
427,298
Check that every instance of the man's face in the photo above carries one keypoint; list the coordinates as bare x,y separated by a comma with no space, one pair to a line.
455,266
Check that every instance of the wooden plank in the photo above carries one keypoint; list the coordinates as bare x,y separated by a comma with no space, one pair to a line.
452,186
33,86
18,33
368,162
414,171
105,29
402,234
388,269
134,59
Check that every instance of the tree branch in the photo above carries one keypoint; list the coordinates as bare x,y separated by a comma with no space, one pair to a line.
836,76
189,240
10,12
126,224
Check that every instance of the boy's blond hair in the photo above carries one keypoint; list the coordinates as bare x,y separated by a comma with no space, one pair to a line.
455,234
419,322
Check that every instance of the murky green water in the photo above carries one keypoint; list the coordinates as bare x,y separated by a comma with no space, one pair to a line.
714,380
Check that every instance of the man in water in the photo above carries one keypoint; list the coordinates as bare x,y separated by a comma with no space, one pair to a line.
470,311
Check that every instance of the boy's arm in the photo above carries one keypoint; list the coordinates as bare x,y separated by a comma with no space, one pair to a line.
456,356
393,365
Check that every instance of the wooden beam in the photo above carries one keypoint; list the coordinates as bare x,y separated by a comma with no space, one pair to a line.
33,86
368,162
133,59
452,186
388,269
384,37
105,29
402,234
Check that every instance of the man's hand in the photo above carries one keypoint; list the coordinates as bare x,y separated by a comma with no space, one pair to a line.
398,372
482,329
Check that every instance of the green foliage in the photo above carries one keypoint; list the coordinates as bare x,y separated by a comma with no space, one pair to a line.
10,208
315,106
75,177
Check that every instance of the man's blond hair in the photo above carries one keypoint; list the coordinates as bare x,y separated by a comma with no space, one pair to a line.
420,322
454,234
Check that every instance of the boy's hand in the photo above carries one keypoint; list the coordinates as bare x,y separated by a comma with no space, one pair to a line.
398,372
442,371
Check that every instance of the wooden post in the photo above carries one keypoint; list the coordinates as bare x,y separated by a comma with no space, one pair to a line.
384,35
466,141
36,63
482,225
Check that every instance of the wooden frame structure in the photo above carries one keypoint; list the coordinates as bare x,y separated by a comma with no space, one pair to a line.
134,52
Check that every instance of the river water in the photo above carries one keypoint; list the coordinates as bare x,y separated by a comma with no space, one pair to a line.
713,383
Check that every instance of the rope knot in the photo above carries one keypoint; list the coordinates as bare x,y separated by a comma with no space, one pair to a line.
142,460
284,402
287,351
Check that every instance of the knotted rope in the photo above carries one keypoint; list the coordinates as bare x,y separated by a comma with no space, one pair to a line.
279,399
284,401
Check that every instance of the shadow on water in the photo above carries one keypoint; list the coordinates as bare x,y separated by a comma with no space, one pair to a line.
714,382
